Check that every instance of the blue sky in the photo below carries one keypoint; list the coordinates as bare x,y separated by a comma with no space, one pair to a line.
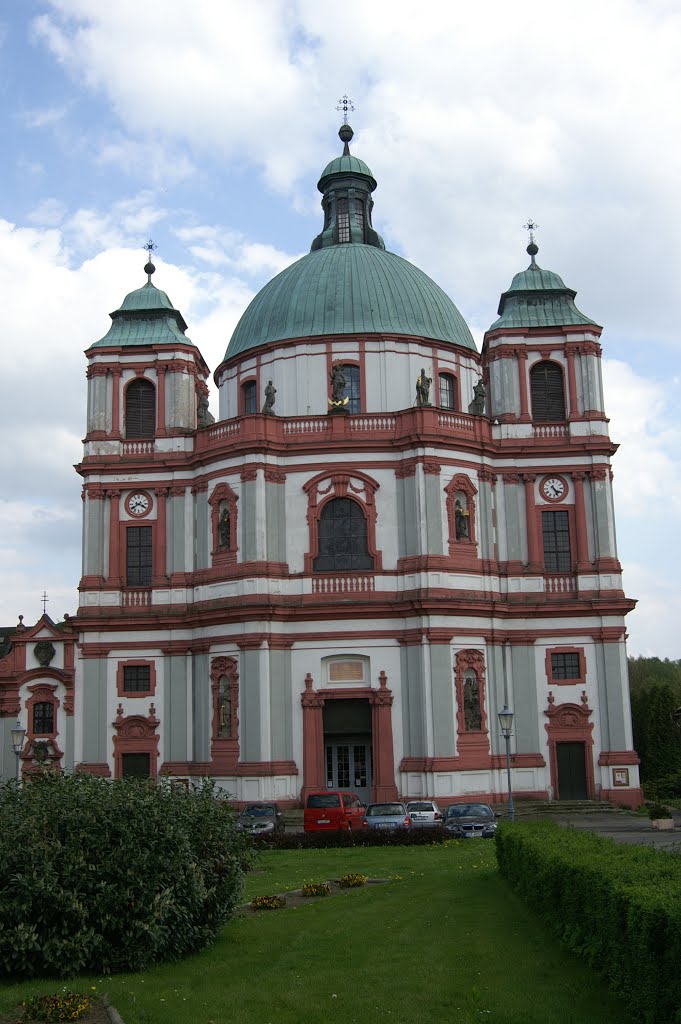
206,125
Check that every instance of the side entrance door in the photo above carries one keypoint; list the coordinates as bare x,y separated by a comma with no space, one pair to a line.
571,764
348,766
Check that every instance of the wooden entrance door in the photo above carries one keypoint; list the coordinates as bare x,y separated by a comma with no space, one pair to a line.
571,765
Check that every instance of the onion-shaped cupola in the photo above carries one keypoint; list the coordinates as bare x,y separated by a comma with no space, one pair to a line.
145,317
538,298
346,185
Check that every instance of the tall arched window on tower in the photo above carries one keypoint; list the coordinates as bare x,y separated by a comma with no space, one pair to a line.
548,392
353,387
447,387
140,408
342,535
249,397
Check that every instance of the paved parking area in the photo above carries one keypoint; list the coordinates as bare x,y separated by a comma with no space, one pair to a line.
625,828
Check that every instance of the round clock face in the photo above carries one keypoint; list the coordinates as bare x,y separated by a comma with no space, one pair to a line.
138,504
553,488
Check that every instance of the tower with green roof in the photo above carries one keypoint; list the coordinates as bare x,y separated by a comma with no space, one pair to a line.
382,538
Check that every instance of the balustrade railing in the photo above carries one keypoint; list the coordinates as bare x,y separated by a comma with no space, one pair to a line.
343,584
136,598
138,447
562,585
551,431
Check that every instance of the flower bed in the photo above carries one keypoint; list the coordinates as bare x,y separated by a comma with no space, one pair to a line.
352,881
316,889
268,902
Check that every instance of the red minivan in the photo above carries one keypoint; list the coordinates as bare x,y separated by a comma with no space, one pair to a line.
332,811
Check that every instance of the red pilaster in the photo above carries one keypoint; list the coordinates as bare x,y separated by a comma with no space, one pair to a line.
381,701
114,537
534,548
313,739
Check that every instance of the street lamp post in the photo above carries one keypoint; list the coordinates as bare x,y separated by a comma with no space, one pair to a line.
17,734
506,723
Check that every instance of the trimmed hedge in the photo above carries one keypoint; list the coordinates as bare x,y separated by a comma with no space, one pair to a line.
367,837
617,906
103,876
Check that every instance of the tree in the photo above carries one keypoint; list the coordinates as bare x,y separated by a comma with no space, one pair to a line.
662,739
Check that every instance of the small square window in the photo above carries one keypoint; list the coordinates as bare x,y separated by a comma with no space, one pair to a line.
136,678
565,665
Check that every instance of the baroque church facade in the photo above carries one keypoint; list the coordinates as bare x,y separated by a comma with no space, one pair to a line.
382,539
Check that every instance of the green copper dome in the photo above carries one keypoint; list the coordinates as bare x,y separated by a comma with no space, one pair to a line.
349,289
145,317
538,298
348,283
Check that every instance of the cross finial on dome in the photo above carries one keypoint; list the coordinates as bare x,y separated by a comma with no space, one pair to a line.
149,267
345,104
345,133
532,248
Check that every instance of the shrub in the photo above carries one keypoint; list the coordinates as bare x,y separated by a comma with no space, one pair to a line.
656,811
102,876
367,837
617,906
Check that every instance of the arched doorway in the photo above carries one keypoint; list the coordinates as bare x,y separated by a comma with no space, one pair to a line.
571,749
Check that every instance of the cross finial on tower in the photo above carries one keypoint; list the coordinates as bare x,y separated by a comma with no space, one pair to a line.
149,266
532,248
44,599
345,104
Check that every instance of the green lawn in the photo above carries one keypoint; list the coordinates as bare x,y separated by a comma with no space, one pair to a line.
444,941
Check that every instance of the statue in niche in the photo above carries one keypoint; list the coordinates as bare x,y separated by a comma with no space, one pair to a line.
224,709
270,392
224,528
204,418
338,383
477,406
461,516
423,389
472,715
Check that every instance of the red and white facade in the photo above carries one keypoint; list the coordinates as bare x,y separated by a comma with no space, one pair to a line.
210,643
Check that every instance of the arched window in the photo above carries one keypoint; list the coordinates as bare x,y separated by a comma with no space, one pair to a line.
447,386
249,396
548,392
342,535
43,718
352,387
140,409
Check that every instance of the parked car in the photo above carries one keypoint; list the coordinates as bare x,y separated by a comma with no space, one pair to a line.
333,811
424,814
470,821
388,816
260,819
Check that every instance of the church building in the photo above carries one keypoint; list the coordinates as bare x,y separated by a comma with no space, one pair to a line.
381,539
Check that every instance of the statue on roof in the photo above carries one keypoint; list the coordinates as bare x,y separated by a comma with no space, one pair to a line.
477,406
204,418
423,389
270,392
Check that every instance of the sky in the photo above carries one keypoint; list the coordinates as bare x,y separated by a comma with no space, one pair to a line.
205,125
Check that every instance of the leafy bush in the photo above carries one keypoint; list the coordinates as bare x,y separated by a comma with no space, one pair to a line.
666,788
367,837
102,876
656,811
618,906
